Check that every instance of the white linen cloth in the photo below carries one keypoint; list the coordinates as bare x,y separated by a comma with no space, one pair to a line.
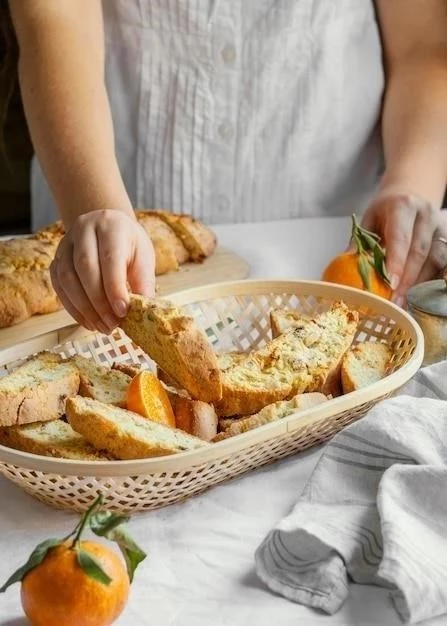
242,110
374,510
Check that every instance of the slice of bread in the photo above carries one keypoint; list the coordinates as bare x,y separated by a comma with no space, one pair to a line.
364,364
271,413
37,390
283,320
176,344
123,434
101,383
226,360
130,369
305,359
194,416
56,438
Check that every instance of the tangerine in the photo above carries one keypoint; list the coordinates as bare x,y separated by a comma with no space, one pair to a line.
344,270
147,397
364,267
58,592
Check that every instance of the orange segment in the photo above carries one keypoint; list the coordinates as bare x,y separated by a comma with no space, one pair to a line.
147,396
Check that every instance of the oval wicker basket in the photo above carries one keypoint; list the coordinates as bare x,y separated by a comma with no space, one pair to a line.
235,316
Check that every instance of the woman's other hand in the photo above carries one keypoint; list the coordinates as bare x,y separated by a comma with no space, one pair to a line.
408,226
102,253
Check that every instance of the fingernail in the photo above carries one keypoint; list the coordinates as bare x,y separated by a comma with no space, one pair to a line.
120,308
399,301
394,280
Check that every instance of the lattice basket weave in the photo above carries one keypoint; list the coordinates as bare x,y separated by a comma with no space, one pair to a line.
235,317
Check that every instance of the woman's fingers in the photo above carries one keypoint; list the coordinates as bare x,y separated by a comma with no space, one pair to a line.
113,249
418,254
87,267
141,271
94,262
398,232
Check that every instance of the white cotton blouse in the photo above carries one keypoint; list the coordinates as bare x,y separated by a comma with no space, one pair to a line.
242,110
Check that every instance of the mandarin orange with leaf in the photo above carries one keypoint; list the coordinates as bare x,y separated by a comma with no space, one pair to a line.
71,582
364,267
59,592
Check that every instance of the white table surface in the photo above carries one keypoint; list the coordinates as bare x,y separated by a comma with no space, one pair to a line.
199,571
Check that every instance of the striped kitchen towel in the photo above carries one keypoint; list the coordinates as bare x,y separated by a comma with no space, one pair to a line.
374,510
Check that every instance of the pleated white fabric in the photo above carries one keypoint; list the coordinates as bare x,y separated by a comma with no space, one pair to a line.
242,110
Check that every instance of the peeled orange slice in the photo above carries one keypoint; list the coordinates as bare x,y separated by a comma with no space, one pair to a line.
147,396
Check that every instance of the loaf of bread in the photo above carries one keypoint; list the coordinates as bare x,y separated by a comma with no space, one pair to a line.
101,383
364,364
172,339
123,434
37,390
269,414
25,283
56,438
304,359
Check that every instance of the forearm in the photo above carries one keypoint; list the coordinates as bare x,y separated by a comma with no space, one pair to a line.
67,109
414,126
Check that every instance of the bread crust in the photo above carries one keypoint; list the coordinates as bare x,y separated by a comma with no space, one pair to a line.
37,390
176,344
113,429
55,439
304,359
371,357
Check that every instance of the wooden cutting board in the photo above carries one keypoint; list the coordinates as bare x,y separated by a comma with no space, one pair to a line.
221,266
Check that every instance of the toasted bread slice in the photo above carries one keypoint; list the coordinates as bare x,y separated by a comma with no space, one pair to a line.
176,344
56,438
130,369
194,416
305,359
195,236
283,320
226,360
124,434
364,364
37,390
271,413
101,383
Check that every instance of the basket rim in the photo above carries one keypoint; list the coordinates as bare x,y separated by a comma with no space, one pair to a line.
223,449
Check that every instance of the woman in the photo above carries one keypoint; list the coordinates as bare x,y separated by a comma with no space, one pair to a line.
232,111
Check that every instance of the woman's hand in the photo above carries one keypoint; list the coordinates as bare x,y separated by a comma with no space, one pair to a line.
100,255
408,226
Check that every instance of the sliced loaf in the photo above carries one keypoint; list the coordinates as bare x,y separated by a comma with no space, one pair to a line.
56,438
364,364
123,434
271,413
37,390
172,339
305,359
101,383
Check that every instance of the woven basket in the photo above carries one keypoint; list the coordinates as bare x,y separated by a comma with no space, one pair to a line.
235,316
